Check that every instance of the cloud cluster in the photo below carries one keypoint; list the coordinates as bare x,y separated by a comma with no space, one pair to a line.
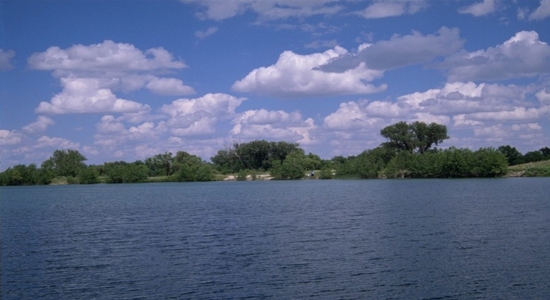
208,32
40,125
55,143
90,76
295,75
266,9
200,115
392,8
278,125
106,57
490,112
84,95
542,12
9,137
98,78
523,55
480,9
400,51
375,9
282,9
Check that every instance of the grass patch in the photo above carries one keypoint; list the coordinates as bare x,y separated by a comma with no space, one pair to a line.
533,169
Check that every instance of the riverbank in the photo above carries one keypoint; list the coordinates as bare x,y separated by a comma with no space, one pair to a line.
534,169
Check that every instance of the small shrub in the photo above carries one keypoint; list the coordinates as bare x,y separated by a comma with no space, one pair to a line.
325,173
241,176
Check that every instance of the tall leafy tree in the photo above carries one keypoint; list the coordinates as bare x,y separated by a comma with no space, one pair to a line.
123,172
88,175
291,168
533,156
545,152
253,155
160,164
415,137
65,162
190,167
513,156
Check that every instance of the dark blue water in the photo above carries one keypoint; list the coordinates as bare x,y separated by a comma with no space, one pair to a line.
368,239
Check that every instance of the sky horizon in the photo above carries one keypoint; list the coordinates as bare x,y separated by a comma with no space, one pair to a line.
126,80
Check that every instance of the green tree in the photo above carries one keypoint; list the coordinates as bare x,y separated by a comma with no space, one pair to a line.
160,164
254,155
533,156
416,137
325,173
123,172
490,163
426,165
88,175
312,162
65,162
14,177
456,163
191,168
21,175
370,163
398,166
241,176
293,166
513,156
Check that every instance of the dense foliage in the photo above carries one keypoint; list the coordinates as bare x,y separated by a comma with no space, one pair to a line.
255,155
415,137
407,153
65,163
69,165
514,157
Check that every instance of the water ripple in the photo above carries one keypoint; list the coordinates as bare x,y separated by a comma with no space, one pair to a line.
378,239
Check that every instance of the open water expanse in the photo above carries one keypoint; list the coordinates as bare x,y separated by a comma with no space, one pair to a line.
337,239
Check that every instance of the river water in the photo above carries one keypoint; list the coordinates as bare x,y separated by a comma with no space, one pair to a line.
336,239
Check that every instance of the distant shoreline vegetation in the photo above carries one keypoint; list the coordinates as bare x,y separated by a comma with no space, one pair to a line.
408,152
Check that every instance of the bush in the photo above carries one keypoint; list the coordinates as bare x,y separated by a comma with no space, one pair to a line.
122,172
88,175
325,173
241,176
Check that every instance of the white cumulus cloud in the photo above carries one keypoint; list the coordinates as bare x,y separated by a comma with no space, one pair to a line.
266,9
55,142
542,12
392,8
169,86
275,125
85,96
544,96
480,9
106,56
199,115
523,55
91,74
40,125
295,75
208,32
9,137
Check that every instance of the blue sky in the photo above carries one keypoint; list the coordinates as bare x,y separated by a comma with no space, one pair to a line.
125,80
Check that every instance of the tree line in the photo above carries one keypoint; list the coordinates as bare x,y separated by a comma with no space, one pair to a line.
408,152
70,165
